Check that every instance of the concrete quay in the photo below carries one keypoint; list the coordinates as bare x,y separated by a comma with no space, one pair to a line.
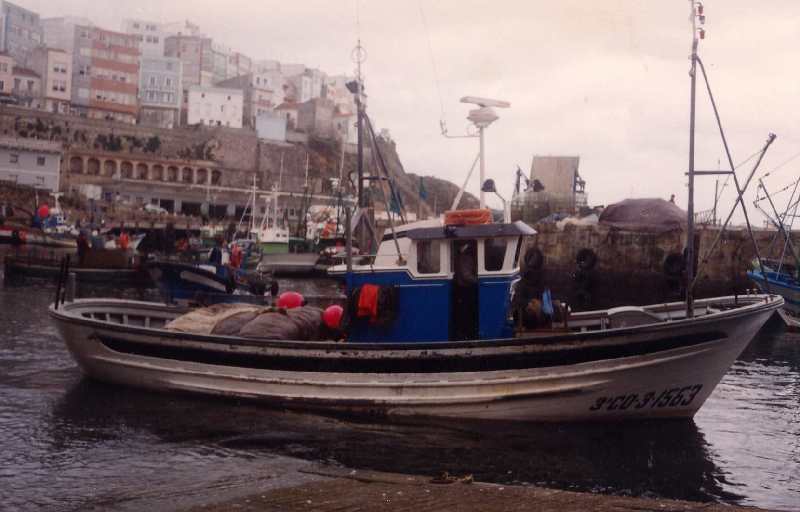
338,489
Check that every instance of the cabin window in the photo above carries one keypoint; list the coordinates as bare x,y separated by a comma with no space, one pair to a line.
494,253
429,259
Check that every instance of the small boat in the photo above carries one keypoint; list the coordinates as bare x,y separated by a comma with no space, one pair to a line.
781,280
205,283
103,266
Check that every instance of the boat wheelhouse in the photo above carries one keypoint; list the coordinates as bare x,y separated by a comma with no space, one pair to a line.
448,282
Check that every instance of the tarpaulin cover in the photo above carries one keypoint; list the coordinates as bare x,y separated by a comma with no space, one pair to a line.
651,215
303,323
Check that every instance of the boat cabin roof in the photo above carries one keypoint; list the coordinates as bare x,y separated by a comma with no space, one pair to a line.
517,228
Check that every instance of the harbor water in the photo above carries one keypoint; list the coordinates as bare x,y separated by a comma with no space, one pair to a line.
70,443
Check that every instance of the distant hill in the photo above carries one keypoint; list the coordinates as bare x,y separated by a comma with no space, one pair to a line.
440,192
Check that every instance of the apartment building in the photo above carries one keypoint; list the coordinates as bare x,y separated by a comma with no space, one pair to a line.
105,74
151,36
6,74
160,91
262,92
20,33
54,67
215,106
60,32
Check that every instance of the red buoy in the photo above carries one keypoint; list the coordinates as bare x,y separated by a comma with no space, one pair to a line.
289,300
332,316
44,211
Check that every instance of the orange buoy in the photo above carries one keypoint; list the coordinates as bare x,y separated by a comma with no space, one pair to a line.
290,300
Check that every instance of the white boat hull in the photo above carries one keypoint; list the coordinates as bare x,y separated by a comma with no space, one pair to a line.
665,383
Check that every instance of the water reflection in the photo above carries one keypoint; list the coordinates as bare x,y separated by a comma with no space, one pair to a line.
652,458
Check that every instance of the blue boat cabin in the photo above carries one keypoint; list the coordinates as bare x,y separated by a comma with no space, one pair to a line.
448,283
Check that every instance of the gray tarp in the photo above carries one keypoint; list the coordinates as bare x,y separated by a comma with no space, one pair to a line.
651,215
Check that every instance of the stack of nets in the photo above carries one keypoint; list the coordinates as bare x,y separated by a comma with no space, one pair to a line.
249,321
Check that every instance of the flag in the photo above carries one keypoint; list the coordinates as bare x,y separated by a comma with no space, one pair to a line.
423,194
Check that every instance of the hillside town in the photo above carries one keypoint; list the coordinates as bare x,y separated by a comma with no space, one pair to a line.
165,116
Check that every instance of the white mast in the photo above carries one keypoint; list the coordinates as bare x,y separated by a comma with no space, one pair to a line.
482,117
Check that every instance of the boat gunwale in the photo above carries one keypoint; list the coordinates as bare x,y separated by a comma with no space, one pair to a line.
71,316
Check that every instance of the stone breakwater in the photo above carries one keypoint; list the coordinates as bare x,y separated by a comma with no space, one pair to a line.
624,267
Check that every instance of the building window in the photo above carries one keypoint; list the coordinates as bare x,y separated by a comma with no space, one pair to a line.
40,161
152,81
13,158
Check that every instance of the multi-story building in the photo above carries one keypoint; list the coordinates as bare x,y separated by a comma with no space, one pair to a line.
288,110
105,74
21,31
54,66
6,74
196,56
60,32
336,90
27,86
197,62
239,64
151,36
30,162
262,93
160,91
215,106
307,85
219,55
315,117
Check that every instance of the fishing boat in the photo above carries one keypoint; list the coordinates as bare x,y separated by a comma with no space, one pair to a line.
439,322
422,355
101,266
781,275
783,280
181,282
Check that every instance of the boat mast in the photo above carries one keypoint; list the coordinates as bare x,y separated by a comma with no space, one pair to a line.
359,55
690,204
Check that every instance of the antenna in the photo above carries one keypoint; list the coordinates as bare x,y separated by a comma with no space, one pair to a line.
483,117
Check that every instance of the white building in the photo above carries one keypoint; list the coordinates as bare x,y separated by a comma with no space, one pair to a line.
30,162
215,106
54,66
271,126
150,34
160,91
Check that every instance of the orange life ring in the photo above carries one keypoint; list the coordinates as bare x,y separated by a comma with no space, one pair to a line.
462,217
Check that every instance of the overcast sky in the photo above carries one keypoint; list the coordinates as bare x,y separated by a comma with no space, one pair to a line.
604,80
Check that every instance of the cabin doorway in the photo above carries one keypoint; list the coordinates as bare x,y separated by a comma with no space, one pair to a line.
464,311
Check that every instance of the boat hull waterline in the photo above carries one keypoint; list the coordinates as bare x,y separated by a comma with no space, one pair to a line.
654,371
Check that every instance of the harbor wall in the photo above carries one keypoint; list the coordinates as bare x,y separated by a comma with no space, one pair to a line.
633,267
